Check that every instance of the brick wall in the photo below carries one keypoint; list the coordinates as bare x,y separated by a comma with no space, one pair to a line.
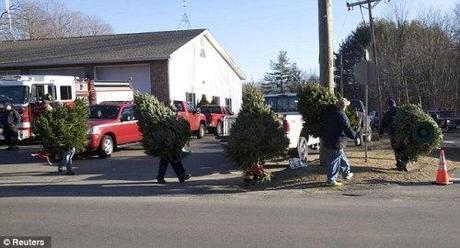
159,79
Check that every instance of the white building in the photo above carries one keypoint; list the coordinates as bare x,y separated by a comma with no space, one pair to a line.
172,65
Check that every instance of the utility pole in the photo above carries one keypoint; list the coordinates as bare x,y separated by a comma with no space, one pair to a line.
341,74
326,60
369,7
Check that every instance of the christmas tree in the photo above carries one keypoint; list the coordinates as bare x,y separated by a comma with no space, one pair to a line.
164,135
256,136
63,128
416,133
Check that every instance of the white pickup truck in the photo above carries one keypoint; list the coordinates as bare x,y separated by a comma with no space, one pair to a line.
285,105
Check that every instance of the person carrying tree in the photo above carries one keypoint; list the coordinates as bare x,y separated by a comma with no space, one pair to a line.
387,125
335,136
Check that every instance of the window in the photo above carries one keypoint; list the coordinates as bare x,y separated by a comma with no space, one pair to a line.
52,91
190,98
215,100
202,53
228,103
103,112
282,103
14,94
190,108
38,92
127,114
66,92
178,106
210,110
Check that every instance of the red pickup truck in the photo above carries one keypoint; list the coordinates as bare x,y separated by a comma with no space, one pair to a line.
111,124
215,117
196,120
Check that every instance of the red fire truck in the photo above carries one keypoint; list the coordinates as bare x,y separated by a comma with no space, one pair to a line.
27,92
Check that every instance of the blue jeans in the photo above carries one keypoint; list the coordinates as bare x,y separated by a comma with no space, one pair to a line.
337,160
67,159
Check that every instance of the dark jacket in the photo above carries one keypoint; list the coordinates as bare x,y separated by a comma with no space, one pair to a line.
10,120
387,121
336,129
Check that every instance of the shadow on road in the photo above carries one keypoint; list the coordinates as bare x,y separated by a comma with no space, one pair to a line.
22,156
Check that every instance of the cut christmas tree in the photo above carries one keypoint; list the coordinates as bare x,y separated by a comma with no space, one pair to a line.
256,136
164,135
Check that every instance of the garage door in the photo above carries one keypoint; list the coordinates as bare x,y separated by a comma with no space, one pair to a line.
69,71
139,74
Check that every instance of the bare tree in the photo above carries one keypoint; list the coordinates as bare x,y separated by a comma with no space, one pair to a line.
35,19
418,63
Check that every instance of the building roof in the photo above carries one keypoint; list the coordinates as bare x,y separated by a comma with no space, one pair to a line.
93,49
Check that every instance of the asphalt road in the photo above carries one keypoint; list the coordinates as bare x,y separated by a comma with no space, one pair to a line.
424,216
452,139
116,203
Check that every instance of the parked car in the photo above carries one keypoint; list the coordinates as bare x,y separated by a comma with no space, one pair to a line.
285,105
111,125
358,106
446,119
215,117
196,119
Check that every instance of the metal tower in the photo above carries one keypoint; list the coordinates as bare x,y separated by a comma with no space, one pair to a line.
184,21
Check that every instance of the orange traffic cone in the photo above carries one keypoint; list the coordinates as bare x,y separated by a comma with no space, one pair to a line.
442,178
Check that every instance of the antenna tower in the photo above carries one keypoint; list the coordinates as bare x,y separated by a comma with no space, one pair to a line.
184,21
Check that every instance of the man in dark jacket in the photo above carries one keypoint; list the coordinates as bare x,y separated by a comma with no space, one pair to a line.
10,120
335,133
387,126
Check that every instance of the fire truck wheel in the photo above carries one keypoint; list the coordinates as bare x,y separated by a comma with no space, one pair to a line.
201,131
106,147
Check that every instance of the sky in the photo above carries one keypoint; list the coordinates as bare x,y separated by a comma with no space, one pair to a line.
252,31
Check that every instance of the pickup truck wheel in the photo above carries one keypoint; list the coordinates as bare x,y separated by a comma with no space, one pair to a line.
201,131
220,129
302,149
106,147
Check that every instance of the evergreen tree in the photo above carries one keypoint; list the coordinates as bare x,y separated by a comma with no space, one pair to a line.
314,99
203,101
416,133
256,136
164,135
284,74
63,128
